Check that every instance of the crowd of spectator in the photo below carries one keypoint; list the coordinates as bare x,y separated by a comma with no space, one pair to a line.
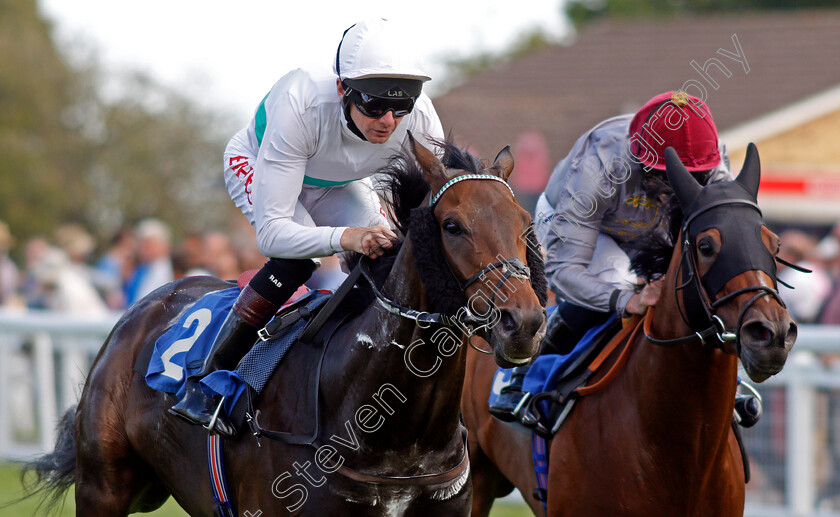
70,271
815,297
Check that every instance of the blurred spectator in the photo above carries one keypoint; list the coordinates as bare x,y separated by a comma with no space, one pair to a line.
244,242
188,259
33,292
76,242
8,270
220,259
154,259
114,267
533,168
810,289
66,286
328,276
828,250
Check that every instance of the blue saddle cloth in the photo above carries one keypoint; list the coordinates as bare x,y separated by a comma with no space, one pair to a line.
181,350
543,374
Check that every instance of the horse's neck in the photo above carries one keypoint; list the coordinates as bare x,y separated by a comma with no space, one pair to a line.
423,386
685,388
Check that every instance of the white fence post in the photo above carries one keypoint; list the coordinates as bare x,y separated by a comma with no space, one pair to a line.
45,378
74,367
800,423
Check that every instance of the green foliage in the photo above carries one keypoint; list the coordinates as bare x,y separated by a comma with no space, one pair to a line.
460,69
581,12
71,153
41,153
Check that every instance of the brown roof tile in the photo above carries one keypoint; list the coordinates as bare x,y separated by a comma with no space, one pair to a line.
615,66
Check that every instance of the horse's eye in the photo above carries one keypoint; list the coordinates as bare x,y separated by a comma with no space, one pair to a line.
705,248
451,227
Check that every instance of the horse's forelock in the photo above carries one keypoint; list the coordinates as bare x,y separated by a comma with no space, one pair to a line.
404,186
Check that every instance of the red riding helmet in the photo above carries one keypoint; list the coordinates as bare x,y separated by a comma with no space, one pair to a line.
678,120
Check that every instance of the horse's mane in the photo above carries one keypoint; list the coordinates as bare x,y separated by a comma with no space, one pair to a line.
654,249
403,187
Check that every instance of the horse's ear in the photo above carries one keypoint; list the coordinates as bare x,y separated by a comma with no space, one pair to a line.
433,169
750,174
503,164
683,183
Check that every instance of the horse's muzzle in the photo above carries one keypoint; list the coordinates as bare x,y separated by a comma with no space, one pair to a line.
516,337
765,345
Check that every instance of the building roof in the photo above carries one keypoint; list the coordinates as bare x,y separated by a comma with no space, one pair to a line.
614,66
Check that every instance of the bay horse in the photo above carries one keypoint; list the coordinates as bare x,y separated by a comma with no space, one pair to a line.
658,439
390,440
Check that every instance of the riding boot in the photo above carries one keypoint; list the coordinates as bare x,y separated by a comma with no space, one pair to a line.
280,278
559,336
510,396
567,325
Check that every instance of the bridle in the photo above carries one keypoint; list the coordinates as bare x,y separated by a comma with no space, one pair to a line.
464,318
716,334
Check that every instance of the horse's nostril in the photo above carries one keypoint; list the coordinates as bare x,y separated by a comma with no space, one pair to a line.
508,321
758,332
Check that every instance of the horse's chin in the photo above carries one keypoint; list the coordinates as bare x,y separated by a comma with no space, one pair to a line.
508,355
506,362
763,364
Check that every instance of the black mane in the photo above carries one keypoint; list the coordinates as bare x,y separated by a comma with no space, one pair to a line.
655,248
403,187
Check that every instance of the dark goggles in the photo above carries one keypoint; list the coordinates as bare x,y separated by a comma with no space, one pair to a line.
372,106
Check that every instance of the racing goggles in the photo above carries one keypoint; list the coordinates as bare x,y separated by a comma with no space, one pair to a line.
372,106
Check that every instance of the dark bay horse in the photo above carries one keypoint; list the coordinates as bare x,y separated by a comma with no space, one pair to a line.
657,440
390,440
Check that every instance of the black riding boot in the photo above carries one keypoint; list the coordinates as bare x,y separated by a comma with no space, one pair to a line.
251,311
560,338
510,396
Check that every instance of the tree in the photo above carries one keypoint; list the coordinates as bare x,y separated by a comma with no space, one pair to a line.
68,153
581,12
42,152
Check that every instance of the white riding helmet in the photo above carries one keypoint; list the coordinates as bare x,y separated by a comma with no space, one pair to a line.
378,48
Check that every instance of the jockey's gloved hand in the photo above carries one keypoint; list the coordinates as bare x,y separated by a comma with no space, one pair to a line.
647,297
372,241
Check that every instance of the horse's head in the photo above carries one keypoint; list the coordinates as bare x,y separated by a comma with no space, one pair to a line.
726,246
487,244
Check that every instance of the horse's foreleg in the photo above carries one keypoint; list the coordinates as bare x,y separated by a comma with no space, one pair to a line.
488,482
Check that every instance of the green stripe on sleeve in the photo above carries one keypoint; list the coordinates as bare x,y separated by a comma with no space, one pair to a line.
315,182
259,120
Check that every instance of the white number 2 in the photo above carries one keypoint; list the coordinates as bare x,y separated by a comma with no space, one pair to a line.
171,369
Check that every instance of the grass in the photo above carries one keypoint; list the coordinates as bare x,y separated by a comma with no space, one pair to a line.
10,488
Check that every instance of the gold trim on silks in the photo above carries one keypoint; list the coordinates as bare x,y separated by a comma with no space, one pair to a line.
638,228
639,200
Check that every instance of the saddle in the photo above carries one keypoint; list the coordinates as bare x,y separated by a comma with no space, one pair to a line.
544,410
165,363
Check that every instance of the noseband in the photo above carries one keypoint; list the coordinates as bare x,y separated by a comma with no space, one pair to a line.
715,335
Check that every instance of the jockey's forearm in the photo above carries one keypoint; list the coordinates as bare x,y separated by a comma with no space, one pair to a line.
284,238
